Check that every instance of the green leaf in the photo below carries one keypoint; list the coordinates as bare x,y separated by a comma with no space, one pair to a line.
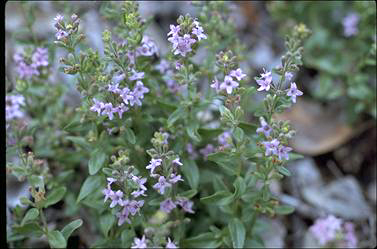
127,237
249,129
177,114
79,141
239,186
204,240
284,171
31,214
192,131
106,222
156,201
26,201
29,229
96,161
295,156
218,198
55,196
56,239
191,173
188,194
238,134
70,228
91,184
237,233
130,135
36,181
284,209
224,160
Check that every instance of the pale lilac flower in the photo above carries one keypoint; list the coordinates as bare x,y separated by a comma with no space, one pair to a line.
120,109
133,206
350,237
175,178
265,81
123,216
174,30
134,99
13,104
178,65
288,76
175,40
170,244
265,128
108,193
163,66
166,136
58,18
237,74
293,92
190,150
271,147
26,71
350,24
139,243
110,181
167,205
161,185
209,149
225,138
97,107
61,34
126,95
137,75
40,57
183,45
177,162
228,84
119,78
215,85
148,47
198,31
116,198
140,181
113,88
283,152
138,193
325,229
108,110
131,57
153,164
185,204
140,89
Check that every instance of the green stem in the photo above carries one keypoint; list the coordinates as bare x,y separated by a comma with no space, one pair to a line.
43,219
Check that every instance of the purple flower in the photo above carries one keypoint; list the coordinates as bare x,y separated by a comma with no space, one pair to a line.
265,128
215,85
237,74
139,243
228,84
140,89
185,204
153,164
283,152
148,47
167,205
325,229
40,57
288,76
183,45
175,40
110,181
61,34
161,185
116,198
264,81
108,193
207,150
177,162
293,92
123,216
134,99
350,237
170,244
350,24
198,31
58,18
175,178
271,147
97,107
137,75
178,65
26,71
126,95
163,66
12,106
113,88
138,193
133,206
119,78
120,109
190,150
140,182
108,110
131,57
174,30
225,138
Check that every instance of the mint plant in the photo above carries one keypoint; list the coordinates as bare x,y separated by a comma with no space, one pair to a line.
160,151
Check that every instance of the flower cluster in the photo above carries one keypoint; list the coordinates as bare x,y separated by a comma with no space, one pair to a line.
350,24
230,81
117,198
164,68
38,59
13,104
168,205
147,48
63,30
142,243
332,229
128,97
182,41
